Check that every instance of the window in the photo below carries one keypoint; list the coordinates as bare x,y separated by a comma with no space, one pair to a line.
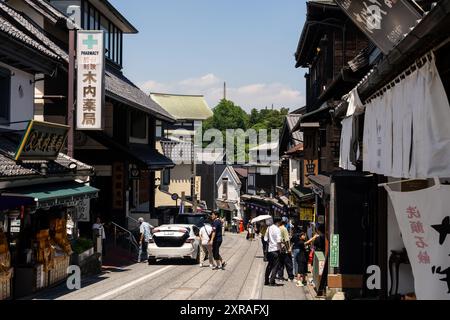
251,180
225,188
138,127
5,95
94,20
166,177
159,130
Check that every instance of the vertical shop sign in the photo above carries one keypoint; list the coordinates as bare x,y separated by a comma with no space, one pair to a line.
90,79
385,22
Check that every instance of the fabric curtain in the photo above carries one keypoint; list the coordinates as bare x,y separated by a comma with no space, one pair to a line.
350,150
407,131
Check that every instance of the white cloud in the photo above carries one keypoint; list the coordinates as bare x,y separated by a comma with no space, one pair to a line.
256,95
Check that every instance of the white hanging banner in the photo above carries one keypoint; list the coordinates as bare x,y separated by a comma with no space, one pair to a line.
90,79
424,220
406,131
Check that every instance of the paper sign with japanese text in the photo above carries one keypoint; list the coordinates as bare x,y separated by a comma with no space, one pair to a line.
90,79
424,220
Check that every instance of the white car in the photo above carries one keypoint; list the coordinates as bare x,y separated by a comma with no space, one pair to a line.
177,241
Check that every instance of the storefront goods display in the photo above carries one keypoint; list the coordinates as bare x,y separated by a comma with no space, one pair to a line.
59,272
45,253
5,284
5,262
58,229
41,277
5,256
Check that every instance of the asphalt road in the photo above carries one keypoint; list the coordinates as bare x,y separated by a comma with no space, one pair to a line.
242,280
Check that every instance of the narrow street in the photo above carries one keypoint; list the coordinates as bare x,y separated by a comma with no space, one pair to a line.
242,280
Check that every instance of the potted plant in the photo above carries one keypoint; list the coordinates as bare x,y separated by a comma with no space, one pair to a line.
83,249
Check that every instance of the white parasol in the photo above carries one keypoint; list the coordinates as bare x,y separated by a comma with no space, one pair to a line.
261,218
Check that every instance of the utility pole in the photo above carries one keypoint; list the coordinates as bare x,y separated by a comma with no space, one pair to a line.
71,93
224,91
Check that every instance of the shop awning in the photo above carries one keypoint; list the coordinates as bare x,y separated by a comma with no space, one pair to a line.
50,195
227,205
143,155
302,194
154,160
321,185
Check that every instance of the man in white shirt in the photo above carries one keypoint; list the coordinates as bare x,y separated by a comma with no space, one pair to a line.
99,231
205,247
146,235
273,238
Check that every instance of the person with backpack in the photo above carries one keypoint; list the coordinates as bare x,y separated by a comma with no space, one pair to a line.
205,247
285,254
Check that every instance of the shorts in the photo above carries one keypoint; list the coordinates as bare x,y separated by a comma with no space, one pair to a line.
216,249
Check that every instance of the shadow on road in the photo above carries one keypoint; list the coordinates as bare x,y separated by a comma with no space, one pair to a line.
176,262
61,290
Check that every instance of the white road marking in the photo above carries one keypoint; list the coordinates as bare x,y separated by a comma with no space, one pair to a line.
131,284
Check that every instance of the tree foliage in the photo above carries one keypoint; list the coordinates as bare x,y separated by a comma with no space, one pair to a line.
228,115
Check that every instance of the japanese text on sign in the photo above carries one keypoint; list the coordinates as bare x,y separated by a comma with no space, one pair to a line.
91,56
385,22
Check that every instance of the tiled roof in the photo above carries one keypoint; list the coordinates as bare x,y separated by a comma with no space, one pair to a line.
184,107
120,88
298,148
8,28
242,172
50,12
292,121
11,169
32,30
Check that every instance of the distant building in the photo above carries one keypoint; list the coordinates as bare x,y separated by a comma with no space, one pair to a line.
176,141
229,194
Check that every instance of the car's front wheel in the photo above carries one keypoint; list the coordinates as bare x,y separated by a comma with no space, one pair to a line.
151,261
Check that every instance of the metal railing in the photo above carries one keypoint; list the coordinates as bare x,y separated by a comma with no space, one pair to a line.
129,237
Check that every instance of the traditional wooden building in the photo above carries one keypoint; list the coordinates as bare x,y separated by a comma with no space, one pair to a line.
41,188
336,54
177,142
360,222
123,153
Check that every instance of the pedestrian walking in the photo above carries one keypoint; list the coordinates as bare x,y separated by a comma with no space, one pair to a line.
99,231
273,238
264,242
250,232
206,249
285,254
224,222
302,258
216,241
145,236
296,248
233,226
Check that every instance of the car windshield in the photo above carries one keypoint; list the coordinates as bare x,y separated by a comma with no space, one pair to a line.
197,220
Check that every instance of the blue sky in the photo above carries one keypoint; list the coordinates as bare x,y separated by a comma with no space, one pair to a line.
193,46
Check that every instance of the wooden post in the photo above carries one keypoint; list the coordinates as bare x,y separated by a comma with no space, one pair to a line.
71,93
